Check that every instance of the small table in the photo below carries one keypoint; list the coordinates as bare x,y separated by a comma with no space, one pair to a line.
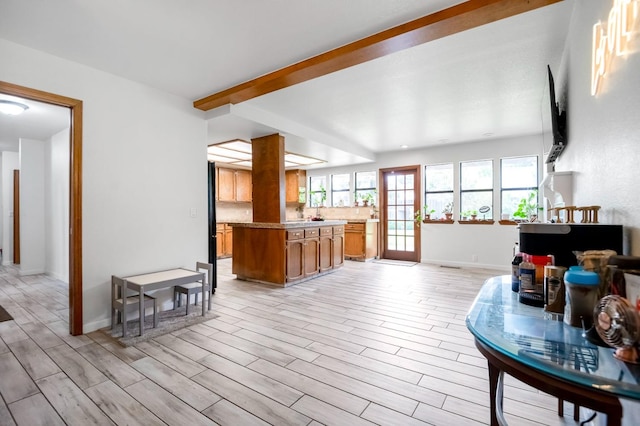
547,354
155,281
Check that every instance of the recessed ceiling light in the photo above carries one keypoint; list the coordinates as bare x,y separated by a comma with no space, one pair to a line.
404,146
443,140
487,134
12,108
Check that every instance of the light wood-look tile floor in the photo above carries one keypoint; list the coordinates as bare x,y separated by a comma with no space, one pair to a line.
369,344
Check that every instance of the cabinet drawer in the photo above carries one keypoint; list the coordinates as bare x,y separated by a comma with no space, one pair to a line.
338,230
295,234
326,231
354,227
310,233
220,227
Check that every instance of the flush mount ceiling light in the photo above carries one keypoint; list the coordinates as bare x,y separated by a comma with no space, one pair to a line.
12,108
238,152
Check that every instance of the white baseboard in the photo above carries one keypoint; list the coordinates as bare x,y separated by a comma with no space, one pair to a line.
31,272
468,265
96,325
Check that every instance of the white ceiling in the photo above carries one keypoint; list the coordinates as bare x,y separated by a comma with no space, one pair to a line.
487,82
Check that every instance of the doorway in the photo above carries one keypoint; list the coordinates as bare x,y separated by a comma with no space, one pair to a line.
75,193
400,200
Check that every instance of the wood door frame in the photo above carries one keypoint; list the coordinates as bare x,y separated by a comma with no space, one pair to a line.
75,192
383,207
16,217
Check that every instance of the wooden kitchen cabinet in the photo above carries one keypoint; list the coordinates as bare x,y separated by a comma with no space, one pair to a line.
286,255
361,240
295,183
337,250
224,240
295,260
326,249
226,184
243,186
233,185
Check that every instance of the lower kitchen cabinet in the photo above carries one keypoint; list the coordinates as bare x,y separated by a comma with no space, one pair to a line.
284,255
361,240
224,240
337,247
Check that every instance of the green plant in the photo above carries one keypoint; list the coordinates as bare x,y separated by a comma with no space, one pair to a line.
368,197
417,217
427,210
528,206
448,208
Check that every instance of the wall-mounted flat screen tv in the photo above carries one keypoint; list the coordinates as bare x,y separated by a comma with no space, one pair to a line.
558,123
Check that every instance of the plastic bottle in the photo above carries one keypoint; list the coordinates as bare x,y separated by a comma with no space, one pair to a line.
515,269
527,291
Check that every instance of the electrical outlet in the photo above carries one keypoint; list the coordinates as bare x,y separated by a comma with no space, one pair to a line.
193,212
474,258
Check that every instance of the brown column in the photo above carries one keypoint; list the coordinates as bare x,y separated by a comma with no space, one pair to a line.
268,179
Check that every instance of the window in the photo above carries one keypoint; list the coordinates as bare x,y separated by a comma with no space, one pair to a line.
365,185
476,187
340,185
439,188
317,191
518,177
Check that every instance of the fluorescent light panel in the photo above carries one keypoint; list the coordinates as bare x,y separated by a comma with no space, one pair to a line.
238,152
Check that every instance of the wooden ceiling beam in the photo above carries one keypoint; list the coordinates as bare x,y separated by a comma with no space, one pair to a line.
462,17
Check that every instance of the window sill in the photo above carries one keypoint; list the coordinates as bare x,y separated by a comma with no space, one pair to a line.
508,222
477,222
437,221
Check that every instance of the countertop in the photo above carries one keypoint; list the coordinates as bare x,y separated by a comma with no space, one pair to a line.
289,224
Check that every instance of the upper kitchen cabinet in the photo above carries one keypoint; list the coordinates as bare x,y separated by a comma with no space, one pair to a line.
295,186
233,185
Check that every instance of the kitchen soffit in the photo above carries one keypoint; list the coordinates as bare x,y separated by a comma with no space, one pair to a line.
238,153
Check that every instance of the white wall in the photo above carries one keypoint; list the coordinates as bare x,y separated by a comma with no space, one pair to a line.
144,168
487,246
10,162
57,206
32,211
603,148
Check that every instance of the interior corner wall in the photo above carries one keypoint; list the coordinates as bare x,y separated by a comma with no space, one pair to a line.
32,207
144,167
603,130
57,206
10,162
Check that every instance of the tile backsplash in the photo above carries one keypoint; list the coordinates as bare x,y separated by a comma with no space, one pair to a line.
241,212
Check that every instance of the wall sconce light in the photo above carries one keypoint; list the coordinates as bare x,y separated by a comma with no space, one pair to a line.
12,108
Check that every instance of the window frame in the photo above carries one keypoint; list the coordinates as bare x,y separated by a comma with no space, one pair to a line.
531,188
334,191
491,189
365,190
312,194
451,191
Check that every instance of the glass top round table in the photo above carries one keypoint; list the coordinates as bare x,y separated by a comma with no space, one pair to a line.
524,341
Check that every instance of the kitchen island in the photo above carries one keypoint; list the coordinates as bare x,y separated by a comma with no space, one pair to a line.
287,253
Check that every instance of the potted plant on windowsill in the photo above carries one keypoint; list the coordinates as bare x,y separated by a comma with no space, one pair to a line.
528,208
427,213
448,211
